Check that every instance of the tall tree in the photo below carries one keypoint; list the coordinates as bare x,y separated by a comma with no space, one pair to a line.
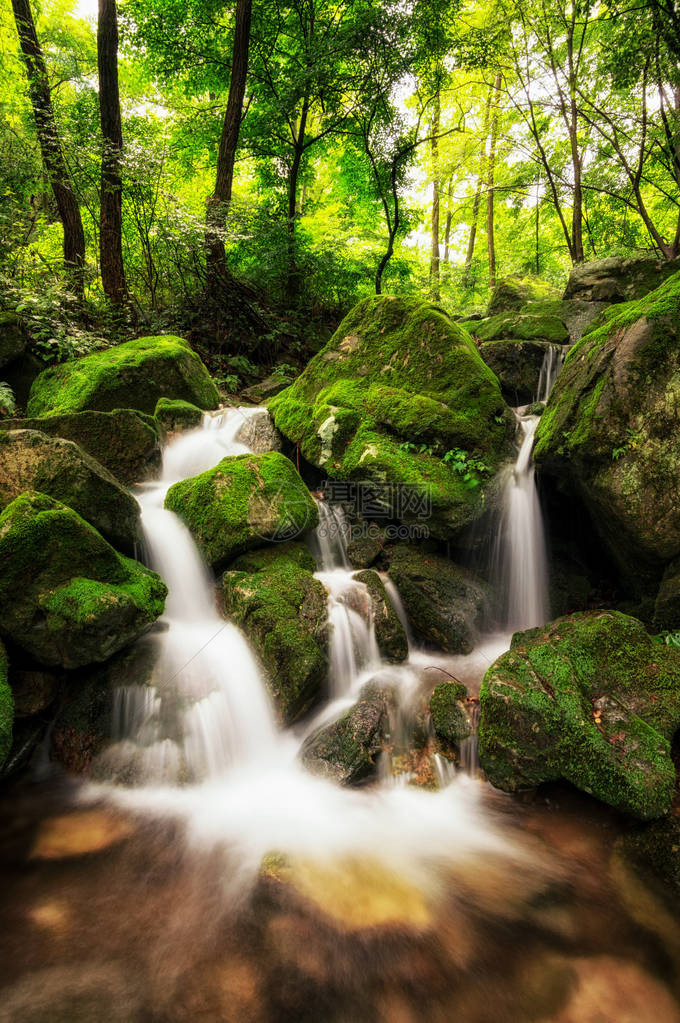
50,144
110,210
491,183
481,183
434,258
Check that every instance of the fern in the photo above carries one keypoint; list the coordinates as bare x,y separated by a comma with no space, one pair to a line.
7,403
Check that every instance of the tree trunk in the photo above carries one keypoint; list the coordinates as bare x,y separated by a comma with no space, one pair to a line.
434,259
447,229
111,213
218,202
50,145
478,191
491,242
293,282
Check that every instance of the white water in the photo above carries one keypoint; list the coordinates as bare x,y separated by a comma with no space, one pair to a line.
551,366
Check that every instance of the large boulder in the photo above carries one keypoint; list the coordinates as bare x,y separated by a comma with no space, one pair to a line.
610,432
400,399
12,339
389,632
132,375
67,597
6,707
511,293
243,502
575,313
446,605
618,278
591,699
125,442
521,327
33,461
272,594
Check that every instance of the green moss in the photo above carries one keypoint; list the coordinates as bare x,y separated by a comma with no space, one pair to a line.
449,718
173,414
511,293
273,595
589,699
347,750
6,707
243,502
66,596
132,375
521,327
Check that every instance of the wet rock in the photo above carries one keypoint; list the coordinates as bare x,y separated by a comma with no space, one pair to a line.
517,364
347,750
273,595
67,597
173,415
365,543
243,502
445,604
591,699
265,389
34,691
259,433
133,375
389,632
618,279
59,468
450,717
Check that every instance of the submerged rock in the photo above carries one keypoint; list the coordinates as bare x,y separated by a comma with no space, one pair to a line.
397,391
618,279
273,596
610,432
125,442
67,597
173,414
347,750
131,375
450,718
243,502
389,632
445,604
59,468
6,707
591,699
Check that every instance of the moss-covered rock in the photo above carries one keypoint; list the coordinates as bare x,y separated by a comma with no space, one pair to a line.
618,279
172,415
265,389
66,596
365,543
654,853
575,314
397,387
6,707
445,604
59,468
591,699
389,632
272,594
610,431
517,364
521,327
347,750
241,503
450,718
12,339
124,441
511,293
132,375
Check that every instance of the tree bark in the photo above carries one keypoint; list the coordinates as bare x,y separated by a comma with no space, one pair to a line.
218,202
50,145
434,259
111,211
491,241
449,216
292,285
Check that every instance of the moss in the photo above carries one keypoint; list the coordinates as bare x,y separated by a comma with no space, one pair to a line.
174,414
398,370
6,707
389,632
521,327
125,442
589,699
132,375
511,293
66,596
241,503
449,717
273,595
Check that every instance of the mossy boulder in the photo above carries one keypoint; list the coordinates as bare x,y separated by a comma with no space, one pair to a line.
347,751
172,415
6,707
131,375
243,502
365,543
575,313
265,389
12,339
445,604
124,441
611,431
67,597
450,718
511,293
273,596
398,386
618,279
591,699
389,632
521,327
33,461
517,364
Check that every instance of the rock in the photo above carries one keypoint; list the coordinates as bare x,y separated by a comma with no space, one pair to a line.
34,691
591,699
20,375
265,389
67,597
273,595
450,718
398,386
575,314
346,751
365,543
389,632
131,375
667,604
244,501
511,293
444,604
537,408
517,364
618,279
173,414
610,432
6,707
522,327
259,433
59,468
124,441
655,850
12,339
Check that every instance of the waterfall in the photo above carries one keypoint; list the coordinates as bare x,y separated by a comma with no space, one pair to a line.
550,368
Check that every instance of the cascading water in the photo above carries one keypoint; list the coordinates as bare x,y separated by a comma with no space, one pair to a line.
550,368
